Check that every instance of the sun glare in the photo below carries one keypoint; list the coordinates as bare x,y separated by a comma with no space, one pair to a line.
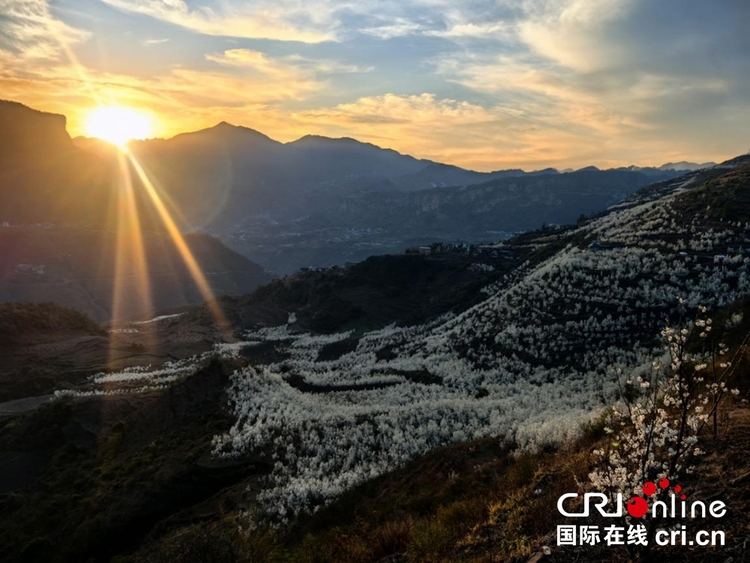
118,125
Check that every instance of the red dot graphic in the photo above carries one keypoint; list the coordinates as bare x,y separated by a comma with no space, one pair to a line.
649,488
677,488
637,507
664,483
683,497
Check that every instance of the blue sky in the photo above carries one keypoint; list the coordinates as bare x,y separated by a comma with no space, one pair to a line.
482,84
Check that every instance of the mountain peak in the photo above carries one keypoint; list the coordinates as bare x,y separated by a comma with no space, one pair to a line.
224,126
353,146
26,129
227,131
550,170
322,139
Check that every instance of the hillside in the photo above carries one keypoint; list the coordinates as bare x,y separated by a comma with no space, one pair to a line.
530,363
408,289
21,322
82,268
400,407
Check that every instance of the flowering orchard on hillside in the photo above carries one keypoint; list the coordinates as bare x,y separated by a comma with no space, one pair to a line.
552,345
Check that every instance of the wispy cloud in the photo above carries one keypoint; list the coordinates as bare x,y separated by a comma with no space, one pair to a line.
328,20
249,58
396,28
30,32
494,30
289,76
281,20
150,42
421,109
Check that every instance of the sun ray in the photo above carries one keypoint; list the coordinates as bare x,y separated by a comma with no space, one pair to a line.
182,247
119,125
130,253
130,235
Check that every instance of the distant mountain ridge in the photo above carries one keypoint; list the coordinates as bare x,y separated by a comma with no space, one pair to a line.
685,165
319,201
315,201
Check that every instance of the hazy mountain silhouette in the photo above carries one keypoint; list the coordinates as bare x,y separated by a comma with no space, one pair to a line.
683,165
43,176
58,217
320,201
315,201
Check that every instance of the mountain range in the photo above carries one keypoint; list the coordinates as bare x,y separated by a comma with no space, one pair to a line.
319,201
314,202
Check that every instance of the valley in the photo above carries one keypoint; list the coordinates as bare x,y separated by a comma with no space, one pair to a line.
353,382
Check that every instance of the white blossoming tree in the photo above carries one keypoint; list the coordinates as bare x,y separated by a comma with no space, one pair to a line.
654,432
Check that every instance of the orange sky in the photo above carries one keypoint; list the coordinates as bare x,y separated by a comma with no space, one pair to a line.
520,83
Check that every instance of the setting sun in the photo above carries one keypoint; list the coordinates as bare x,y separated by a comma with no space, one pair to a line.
118,125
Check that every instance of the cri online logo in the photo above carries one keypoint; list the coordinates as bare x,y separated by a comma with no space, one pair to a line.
638,506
